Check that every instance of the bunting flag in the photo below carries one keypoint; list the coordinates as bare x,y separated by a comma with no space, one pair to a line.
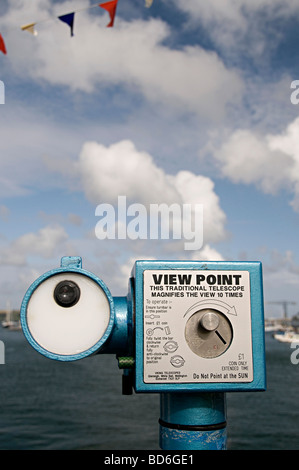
111,8
29,28
2,45
68,19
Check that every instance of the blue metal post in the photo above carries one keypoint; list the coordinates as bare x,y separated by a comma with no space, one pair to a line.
193,421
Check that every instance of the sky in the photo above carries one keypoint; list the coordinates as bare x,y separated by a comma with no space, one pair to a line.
191,102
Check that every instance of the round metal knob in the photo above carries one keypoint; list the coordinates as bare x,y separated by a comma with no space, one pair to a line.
208,333
209,321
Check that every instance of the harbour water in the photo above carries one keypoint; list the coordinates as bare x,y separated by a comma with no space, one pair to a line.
51,405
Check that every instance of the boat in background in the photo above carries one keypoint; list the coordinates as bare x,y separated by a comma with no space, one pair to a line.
287,337
290,333
10,322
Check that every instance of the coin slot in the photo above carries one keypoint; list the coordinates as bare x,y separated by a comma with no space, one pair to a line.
219,336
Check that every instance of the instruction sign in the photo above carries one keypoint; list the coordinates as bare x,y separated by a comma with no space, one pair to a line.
196,326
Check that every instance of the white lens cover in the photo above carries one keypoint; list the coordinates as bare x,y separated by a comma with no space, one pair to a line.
72,330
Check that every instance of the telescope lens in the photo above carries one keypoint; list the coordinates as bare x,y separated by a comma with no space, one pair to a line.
66,293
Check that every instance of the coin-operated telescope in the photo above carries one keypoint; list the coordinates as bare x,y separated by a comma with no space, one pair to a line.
188,330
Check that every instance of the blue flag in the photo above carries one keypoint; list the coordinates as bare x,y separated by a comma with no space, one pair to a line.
69,19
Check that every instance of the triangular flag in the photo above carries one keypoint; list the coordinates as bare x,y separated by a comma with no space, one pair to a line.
29,28
2,45
148,3
111,8
69,19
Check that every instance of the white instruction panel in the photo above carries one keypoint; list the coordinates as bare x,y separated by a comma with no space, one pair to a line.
197,326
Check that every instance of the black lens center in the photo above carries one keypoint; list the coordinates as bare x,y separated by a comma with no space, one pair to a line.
66,293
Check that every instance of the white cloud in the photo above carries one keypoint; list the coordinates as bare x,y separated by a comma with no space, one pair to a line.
198,189
208,253
241,26
270,161
215,11
46,243
122,170
236,11
247,158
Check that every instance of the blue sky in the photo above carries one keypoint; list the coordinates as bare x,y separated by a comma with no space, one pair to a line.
183,86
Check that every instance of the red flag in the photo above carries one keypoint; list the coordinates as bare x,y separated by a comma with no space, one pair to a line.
111,8
2,45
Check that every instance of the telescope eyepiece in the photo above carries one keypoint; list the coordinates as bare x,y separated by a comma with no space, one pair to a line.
68,313
67,293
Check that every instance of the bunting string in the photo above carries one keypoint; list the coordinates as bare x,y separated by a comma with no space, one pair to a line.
69,19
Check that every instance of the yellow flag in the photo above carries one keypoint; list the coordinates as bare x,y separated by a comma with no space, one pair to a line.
29,28
148,3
